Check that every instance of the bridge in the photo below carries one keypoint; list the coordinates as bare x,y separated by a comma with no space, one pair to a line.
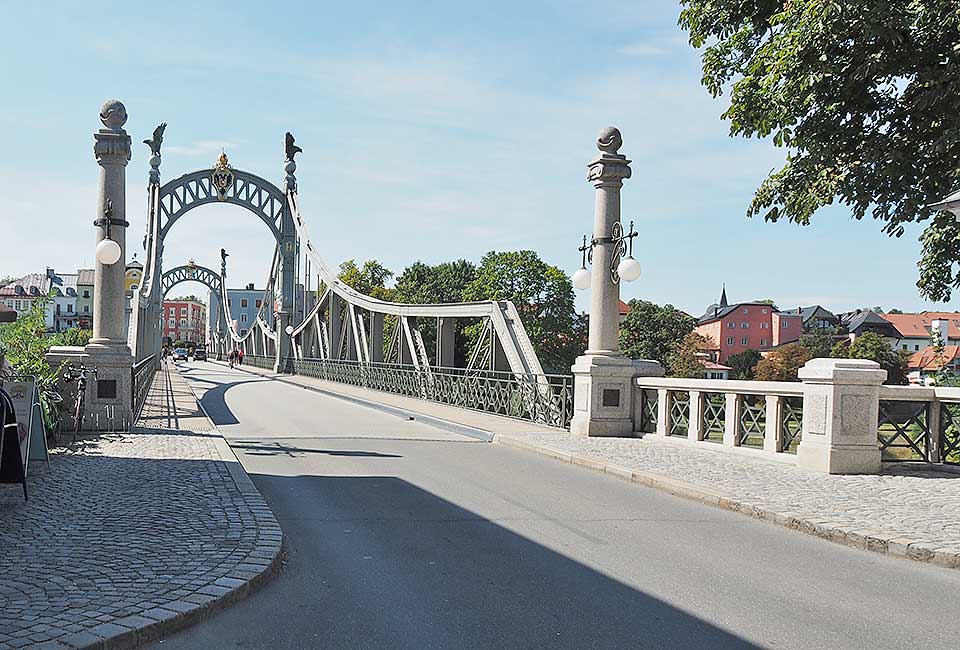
405,527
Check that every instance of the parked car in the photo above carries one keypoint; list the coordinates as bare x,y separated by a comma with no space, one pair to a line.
200,354
180,354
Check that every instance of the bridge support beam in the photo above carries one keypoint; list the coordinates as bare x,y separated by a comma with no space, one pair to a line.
603,377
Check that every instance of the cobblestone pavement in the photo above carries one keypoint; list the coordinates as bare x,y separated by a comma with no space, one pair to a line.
129,536
906,510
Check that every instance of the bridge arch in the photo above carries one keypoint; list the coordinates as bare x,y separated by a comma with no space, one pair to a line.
190,273
249,191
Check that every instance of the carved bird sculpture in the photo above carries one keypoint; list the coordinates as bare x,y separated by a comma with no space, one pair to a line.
292,149
154,144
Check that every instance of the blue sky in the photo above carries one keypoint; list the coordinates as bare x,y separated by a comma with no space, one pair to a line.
431,130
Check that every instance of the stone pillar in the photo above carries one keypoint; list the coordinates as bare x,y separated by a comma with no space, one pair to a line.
603,377
112,150
108,401
841,399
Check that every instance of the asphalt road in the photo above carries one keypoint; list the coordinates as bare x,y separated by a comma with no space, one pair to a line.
399,535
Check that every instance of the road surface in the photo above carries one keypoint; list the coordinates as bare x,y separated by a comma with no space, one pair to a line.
402,536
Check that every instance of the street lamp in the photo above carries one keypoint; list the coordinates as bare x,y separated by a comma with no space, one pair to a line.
108,252
627,267
289,330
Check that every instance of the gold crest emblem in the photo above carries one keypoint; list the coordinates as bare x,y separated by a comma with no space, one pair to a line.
222,177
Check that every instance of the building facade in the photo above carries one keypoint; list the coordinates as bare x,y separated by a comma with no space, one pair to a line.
85,298
916,331
736,328
245,304
63,290
184,320
21,295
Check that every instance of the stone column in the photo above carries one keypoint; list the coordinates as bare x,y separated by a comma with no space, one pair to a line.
109,401
603,377
841,400
112,150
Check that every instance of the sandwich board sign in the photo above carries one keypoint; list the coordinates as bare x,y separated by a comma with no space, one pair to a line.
26,403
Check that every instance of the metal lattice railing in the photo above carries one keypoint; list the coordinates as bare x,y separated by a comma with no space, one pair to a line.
141,377
679,423
544,399
714,407
950,433
751,420
903,430
649,403
791,424
259,361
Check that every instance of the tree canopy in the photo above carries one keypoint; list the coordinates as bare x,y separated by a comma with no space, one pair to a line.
369,279
743,364
874,347
865,97
686,360
652,331
543,296
782,363
442,283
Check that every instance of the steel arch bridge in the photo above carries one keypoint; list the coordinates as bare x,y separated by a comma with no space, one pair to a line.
330,324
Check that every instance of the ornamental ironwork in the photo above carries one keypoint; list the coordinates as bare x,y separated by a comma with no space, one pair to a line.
679,422
752,420
222,176
903,430
950,434
714,416
791,424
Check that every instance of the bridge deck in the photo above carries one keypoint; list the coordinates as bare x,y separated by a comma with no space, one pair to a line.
170,404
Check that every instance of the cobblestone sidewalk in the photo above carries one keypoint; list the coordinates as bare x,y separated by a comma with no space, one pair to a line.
130,536
905,511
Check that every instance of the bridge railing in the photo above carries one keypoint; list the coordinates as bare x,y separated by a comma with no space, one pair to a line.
259,361
919,424
141,377
540,398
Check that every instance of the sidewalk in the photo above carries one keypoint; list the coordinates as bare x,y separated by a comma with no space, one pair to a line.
908,511
128,537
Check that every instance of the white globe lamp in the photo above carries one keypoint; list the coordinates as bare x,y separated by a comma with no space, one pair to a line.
108,252
629,269
289,330
581,278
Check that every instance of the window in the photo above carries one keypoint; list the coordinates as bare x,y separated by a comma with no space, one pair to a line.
86,293
183,322
763,311
764,326
172,322
785,323
743,341
183,311
259,302
904,346
763,343
746,311
916,348
243,318
243,302
729,340
744,325
69,308
229,302
733,326
242,332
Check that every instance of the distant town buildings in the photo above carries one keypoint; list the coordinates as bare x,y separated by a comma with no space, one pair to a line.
755,325
244,306
184,320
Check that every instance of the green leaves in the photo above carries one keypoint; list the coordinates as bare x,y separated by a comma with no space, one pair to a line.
864,95
651,331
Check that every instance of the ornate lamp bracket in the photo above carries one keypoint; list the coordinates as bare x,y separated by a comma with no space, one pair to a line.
622,245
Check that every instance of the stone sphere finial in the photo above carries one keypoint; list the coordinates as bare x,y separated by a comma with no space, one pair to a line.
113,114
609,140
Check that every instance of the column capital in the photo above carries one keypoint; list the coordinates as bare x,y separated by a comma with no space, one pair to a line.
609,168
112,144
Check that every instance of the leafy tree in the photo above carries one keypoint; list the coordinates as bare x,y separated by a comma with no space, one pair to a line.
818,343
864,95
543,296
422,283
74,337
783,363
894,311
687,359
651,331
369,279
24,344
743,363
874,347
425,284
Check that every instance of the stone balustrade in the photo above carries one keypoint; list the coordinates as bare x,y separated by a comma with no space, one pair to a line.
838,419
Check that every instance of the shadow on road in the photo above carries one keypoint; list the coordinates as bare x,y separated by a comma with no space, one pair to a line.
376,562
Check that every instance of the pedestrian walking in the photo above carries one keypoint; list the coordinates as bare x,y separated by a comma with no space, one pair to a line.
240,356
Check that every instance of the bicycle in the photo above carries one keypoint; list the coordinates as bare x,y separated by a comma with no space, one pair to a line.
80,376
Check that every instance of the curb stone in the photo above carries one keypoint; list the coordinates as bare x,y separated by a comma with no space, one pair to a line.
263,562
866,540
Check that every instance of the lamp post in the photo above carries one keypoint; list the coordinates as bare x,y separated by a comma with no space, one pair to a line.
603,377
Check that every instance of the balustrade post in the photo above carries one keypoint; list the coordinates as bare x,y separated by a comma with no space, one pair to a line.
771,434
663,412
841,400
731,419
695,423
